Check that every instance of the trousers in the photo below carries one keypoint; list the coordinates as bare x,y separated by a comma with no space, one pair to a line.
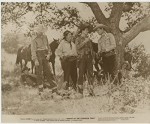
85,69
109,65
43,71
70,70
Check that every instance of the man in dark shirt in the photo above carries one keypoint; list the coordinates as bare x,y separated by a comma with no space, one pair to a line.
85,55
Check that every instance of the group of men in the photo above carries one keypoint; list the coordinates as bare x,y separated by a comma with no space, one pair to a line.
75,51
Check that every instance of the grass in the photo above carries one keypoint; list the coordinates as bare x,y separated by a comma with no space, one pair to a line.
131,97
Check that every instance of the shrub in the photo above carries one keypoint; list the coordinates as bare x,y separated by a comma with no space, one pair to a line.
141,60
10,43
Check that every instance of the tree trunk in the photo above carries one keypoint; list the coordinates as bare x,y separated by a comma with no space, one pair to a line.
113,21
120,46
119,50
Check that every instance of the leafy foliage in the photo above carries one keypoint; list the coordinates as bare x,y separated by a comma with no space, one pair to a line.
141,60
12,12
10,43
49,14
135,13
143,66
68,16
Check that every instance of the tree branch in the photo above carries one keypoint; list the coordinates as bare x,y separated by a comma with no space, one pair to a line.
142,26
116,14
100,17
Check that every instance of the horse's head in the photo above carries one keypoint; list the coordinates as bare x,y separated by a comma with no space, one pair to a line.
56,41
54,44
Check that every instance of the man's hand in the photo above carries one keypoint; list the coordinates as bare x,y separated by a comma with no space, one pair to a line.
63,58
36,63
99,54
104,50
48,56
86,40
93,61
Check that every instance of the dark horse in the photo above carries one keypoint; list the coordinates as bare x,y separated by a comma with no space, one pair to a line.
53,45
24,53
127,57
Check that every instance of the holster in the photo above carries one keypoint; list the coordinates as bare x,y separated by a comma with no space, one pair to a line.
109,53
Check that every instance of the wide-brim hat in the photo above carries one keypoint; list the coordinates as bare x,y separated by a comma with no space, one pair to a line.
84,26
40,28
101,26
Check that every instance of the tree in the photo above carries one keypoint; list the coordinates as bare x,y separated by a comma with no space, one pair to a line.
142,23
137,17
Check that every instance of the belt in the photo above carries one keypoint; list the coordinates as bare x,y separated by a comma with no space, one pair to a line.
109,53
87,53
42,49
113,50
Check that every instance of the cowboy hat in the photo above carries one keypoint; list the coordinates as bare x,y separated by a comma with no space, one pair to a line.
40,28
100,26
66,33
84,26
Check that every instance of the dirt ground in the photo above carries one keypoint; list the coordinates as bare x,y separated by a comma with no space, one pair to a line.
25,100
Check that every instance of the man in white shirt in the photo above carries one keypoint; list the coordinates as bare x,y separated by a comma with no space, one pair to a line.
106,48
68,56
41,53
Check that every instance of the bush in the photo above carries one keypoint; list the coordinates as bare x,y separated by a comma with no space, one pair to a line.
10,43
10,79
141,60
143,68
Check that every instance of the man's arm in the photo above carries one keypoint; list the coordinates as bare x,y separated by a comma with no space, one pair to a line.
75,35
33,50
91,49
92,52
49,49
80,44
99,47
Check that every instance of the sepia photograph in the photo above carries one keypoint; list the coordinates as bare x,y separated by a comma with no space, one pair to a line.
75,62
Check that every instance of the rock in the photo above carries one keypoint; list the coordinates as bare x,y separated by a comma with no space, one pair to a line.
127,109
72,96
56,96
79,95
6,87
85,92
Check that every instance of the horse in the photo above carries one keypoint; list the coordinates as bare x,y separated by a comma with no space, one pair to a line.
98,73
24,53
53,46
